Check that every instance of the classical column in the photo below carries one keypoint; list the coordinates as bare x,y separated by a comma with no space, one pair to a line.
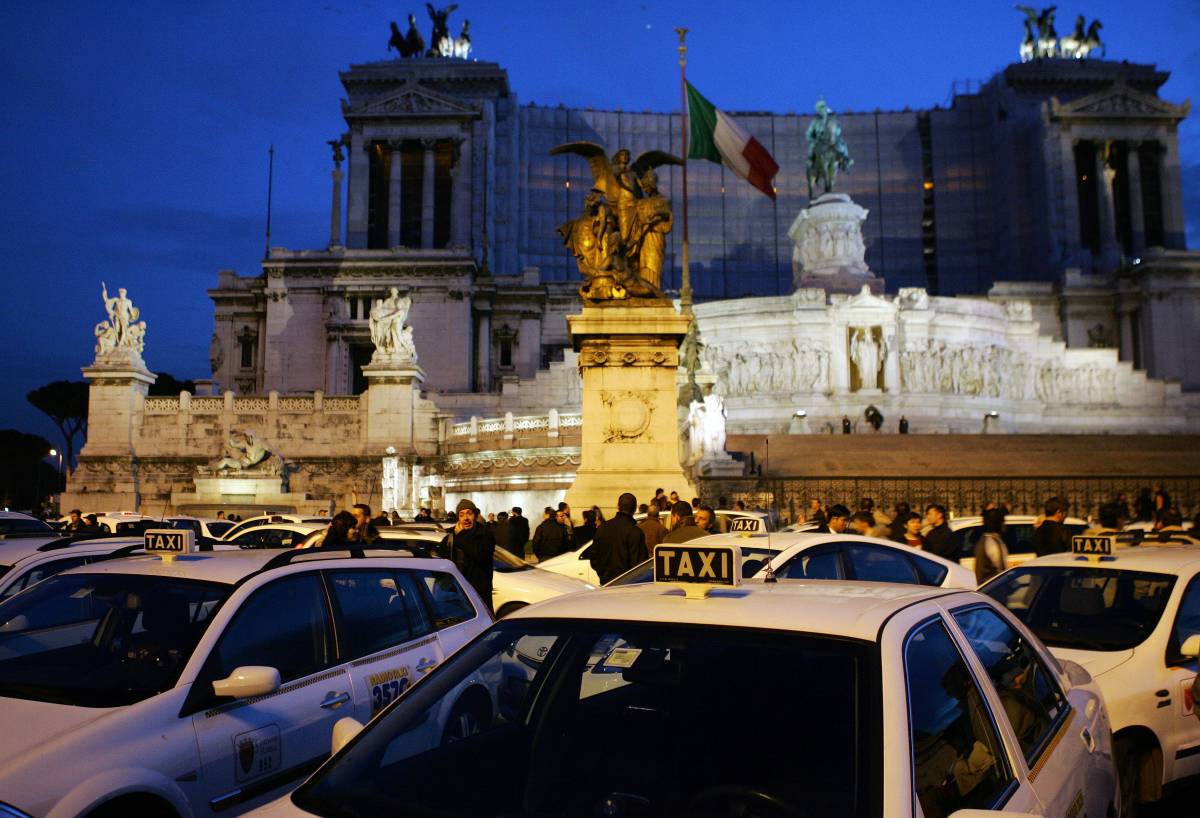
1137,219
427,195
483,353
460,198
839,362
335,211
1109,247
357,191
394,194
1171,185
1125,314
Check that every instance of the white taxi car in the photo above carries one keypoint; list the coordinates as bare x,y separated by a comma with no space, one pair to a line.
1018,536
29,560
1133,620
138,687
697,696
265,519
573,563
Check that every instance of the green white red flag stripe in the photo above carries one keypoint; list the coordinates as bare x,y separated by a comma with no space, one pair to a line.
716,136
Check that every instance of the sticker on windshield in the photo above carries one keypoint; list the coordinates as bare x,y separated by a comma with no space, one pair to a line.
622,657
256,753
387,685
81,593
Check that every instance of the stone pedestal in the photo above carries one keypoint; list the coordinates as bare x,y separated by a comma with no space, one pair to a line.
397,416
829,251
247,492
628,353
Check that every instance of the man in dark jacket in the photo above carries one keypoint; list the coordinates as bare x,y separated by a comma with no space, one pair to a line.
518,532
940,539
1052,537
552,537
652,529
474,549
501,532
619,544
683,525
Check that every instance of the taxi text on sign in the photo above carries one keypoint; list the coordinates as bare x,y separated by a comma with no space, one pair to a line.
697,565
1093,546
745,525
170,541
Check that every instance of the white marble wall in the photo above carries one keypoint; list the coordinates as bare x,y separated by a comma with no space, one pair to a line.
946,362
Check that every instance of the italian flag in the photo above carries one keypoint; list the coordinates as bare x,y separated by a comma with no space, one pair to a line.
715,136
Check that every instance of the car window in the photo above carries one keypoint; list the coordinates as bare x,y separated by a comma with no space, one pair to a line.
19,525
932,573
578,718
375,609
1085,607
876,563
1187,622
958,760
218,528
1030,694
821,562
446,599
1018,538
40,572
284,625
249,539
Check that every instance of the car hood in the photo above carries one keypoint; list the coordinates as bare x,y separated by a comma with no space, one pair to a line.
1096,662
561,559
27,725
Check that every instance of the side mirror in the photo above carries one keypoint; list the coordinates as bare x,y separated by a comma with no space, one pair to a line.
1191,646
344,729
987,813
248,680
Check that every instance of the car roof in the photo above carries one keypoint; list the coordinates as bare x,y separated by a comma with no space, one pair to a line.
229,567
1160,558
300,528
837,608
14,550
1015,519
16,515
783,540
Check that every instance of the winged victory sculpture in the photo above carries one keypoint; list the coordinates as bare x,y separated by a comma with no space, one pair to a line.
619,240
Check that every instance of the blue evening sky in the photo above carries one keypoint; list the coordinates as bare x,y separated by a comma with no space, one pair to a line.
135,134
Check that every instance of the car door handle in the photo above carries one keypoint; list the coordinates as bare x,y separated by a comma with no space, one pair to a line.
334,699
1088,740
426,665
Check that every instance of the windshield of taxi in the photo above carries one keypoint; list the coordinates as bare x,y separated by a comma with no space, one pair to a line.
1084,607
585,718
101,640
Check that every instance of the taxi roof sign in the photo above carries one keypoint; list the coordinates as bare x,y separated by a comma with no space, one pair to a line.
745,525
1093,545
169,543
697,568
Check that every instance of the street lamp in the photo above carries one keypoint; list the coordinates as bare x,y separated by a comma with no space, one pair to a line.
53,453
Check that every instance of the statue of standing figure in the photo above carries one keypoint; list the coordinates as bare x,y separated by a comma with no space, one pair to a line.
122,330
827,151
865,354
386,320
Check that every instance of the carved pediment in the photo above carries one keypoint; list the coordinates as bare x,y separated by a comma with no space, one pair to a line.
1118,102
411,100
865,299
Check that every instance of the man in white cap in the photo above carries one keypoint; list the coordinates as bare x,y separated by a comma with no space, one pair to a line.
474,548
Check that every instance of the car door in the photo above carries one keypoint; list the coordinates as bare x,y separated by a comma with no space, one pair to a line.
1180,675
960,759
385,634
1055,730
250,748
454,616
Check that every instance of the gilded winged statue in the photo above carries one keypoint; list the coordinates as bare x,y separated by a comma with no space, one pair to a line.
618,242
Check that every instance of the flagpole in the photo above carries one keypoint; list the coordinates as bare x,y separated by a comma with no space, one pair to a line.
685,285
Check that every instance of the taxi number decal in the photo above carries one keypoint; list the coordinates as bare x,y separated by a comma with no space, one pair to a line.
388,685
256,753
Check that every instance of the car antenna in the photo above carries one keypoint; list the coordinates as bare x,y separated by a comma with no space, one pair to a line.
769,576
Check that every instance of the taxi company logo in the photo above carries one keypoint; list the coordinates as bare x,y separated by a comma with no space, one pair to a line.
713,565
245,751
1092,546
170,541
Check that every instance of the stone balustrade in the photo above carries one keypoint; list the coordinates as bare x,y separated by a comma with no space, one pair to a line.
513,431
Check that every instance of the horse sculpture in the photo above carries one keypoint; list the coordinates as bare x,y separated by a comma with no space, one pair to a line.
441,44
410,44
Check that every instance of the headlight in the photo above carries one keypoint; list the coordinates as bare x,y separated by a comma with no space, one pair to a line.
8,811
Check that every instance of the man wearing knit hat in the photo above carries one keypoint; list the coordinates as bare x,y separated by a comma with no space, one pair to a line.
473,548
